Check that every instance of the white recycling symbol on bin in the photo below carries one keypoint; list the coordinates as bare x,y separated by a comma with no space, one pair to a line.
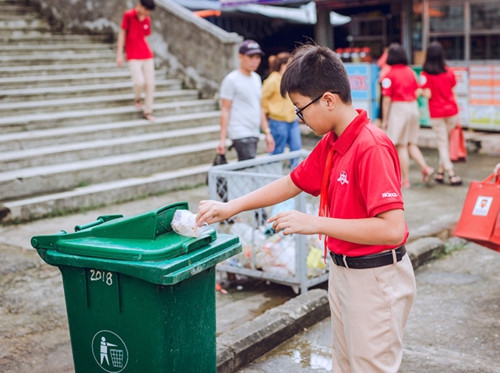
109,351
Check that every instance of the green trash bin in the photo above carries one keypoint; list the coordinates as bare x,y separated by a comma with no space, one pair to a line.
139,297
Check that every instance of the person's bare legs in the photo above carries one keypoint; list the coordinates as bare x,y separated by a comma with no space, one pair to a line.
149,78
404,161
137,81
418,157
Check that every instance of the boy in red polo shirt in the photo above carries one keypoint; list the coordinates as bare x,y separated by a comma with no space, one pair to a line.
355,170
136,26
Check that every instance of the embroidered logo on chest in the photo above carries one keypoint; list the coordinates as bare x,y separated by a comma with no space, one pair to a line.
343,178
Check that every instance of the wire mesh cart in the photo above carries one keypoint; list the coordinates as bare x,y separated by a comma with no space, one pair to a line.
294,260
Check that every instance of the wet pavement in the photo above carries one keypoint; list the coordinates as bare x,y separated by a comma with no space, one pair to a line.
454,326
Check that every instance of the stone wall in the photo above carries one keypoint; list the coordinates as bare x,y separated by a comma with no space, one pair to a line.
192,48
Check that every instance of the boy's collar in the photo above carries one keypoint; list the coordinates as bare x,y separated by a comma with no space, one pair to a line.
344,141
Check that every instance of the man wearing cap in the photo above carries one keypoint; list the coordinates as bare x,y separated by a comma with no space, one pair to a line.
241,112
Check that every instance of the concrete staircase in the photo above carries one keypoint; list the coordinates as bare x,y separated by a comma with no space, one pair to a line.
70,137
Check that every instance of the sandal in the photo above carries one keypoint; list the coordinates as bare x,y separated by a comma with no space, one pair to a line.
439,177
426,174
149,116
454,180
138,103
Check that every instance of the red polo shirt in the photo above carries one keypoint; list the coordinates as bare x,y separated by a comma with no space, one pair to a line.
365,178
400,84
136,46
442,103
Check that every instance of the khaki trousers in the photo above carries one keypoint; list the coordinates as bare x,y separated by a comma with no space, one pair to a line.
369,310
403,123
143,79
442,128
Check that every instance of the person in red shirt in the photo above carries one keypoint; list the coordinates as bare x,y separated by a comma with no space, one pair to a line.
437,81
354,169
400,117
135,27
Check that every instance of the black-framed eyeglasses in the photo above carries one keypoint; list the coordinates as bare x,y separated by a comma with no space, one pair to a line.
298,112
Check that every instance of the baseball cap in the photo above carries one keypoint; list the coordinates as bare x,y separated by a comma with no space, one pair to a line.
250,47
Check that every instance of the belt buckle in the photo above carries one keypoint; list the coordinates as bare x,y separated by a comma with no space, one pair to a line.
344,260
394,256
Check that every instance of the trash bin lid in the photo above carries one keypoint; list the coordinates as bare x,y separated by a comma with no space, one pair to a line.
145,237
144,247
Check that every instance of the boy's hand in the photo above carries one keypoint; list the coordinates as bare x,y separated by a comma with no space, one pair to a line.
211,212
293,222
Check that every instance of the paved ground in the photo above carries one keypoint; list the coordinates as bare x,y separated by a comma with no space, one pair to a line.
454,325
33,326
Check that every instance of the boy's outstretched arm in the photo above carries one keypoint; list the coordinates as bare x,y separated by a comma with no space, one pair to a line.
387,228
278,191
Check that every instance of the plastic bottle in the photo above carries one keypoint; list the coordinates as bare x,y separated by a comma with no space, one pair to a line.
346,55
355,58
339,52
365,54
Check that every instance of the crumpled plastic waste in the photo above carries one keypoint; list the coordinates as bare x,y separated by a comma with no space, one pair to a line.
315,264
184,223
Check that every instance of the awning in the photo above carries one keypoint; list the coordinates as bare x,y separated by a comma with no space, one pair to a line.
305,14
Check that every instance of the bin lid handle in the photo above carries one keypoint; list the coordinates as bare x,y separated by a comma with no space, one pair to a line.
198,243
101,219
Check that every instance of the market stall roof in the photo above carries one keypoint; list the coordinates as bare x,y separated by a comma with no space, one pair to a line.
304,13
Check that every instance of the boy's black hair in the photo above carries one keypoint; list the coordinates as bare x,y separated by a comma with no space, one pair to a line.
396,55
434,59
148,4
314,70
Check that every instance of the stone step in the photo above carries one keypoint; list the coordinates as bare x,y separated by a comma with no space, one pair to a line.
26,182
10,11
101,99
28,49
73,91
25,31
52,38
100,148
65,135
41,121
100,194
13,12
118,75
109,192
31,23
57,58
70,136
21,71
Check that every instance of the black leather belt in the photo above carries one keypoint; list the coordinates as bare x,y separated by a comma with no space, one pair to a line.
369,261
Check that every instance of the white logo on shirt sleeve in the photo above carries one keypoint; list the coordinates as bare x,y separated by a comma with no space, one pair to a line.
386,83
389,195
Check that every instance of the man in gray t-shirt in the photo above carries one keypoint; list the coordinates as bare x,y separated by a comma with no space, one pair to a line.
241,114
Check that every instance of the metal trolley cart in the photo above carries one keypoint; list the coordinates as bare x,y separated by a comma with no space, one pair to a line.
294,260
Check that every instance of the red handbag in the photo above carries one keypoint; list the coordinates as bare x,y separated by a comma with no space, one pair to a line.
480,218
457,147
